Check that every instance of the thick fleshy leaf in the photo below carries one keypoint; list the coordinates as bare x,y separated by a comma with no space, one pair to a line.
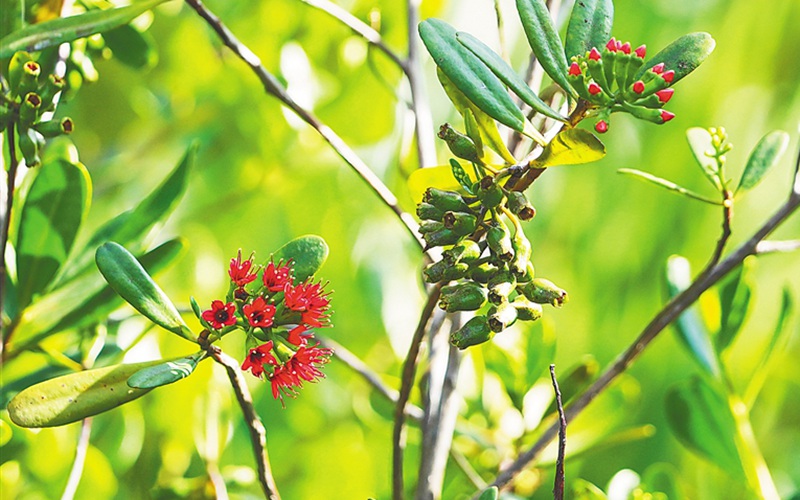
54,209
589,26
129,279
307,252
489,494
36,37
700,144
486,125
165,373
73,397
571,147
507,75
689,325
683,55
131,46
701,419
766,154
734,296
544,41
669,185
469,74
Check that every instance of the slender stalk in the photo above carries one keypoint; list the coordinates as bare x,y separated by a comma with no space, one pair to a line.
426,147
258,434
501,32
11,176
558,485
273,87
80,460
752,459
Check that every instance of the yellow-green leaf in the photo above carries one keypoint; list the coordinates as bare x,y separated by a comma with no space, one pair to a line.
440,177
571,147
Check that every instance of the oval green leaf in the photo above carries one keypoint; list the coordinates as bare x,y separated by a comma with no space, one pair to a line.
469,74
440,177
544,41
165,373
766,154
700,144
73,397
307,252
131,46
571,147
36,37
683,55
589,26
507,75
129,279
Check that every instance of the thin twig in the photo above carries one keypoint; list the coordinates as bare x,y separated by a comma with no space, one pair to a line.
407,382
258,434
501,35
272,86
426,146
727,218
80,460
666,316
558,485
11,176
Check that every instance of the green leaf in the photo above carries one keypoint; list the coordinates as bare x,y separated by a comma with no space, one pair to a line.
131,46
165,373
486,125
469,74
589,26
473,131
129,279
734,294
700,144
690,328
507,75
489,494
73,397
583,489
440,177
571,147
36,37
54,209
461,176
766,154
669,185
307,252
544,41
540,351
701,419
682,56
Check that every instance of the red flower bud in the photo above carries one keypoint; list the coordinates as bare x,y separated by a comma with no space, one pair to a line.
601,126
626,48
667,116
594,88
638,87
574,69
665,95
640,51
612,44
668,76
658,68
619,45
594,54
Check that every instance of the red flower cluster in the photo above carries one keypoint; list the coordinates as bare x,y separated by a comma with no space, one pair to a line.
277,316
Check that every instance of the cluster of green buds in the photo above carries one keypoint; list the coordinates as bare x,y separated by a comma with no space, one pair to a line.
609,80
29,97
490,264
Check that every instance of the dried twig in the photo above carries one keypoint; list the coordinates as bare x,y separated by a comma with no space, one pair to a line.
558,485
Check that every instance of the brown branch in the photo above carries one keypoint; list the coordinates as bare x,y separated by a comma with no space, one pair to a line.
258,434
273,87
558,485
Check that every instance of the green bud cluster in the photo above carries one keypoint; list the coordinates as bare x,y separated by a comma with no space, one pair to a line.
30,95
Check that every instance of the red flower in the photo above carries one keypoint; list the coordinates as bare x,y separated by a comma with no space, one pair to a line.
658,68
220,314
304,365
625,48
255,359
259,313
668,76
667,116
275,278
298,335
240,271
308,298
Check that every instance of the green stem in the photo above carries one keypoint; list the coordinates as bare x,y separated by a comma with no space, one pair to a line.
752,460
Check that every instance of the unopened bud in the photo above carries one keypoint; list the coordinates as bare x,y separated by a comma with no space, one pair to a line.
461,223
500,241
638,87
445,200
465,251
426,211
490,193
29,143
29,109
462,297
460,144
544,291
640,51
574,69
475,331
527,310
53,86
29,80
519,205
441,237
444,271
54,128
668,76
612,44
484,272
601,126
500,286
522,254
501,317
430,226
594,54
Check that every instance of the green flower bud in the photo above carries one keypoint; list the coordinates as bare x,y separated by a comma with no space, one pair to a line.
501,317
475,331
649,88
519,205
29,109
529,274
462,297
465,251
460,222
490,193
578,82
543,291
652,115
500,286
430,226
522,254
445,200
527,310
53,86
426,211
609,67
500,241
460,144
441,237
55,128
443,270
29,144
484,272
631,69
29,79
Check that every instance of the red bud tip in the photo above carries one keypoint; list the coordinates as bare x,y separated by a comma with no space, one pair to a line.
612,44
601,126
574,69
658,68
594,55
668,76
640,51
638,87
594,88
666,116
626,48
619,45
665,95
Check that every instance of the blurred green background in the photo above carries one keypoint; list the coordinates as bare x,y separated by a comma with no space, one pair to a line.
263,177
